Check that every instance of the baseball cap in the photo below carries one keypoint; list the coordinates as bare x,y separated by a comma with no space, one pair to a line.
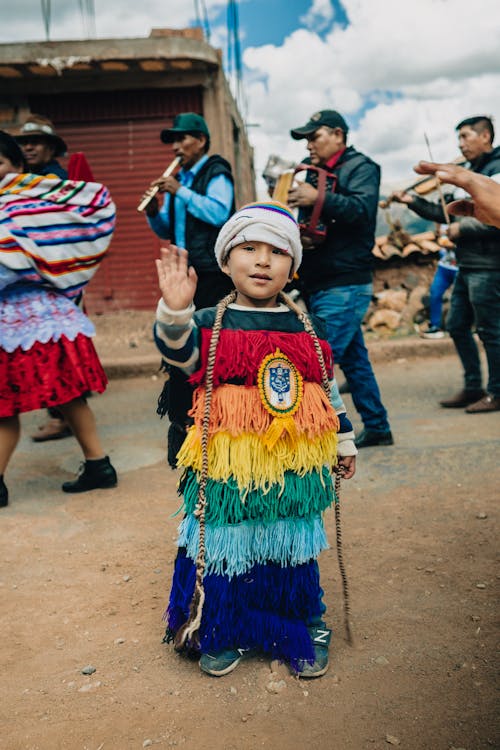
328,117
186,122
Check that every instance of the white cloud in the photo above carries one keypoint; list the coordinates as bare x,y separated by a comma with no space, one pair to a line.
401,68
319,15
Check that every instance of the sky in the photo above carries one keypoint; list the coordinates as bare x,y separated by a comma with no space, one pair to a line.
395,69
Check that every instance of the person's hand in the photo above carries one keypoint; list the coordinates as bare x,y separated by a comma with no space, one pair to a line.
303,194
485,202
152,207
167,184
399,196
177,280
347,464
449,173
453,231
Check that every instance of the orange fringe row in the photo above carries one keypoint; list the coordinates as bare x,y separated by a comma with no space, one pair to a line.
237,409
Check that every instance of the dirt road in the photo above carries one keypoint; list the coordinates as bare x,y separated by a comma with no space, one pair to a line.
84,580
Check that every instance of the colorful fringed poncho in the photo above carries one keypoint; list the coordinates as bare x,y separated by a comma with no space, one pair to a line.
53,235
272,439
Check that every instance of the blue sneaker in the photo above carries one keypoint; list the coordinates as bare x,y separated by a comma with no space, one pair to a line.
320,636
219,663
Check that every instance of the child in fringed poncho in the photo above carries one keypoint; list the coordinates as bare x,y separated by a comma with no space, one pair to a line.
269,425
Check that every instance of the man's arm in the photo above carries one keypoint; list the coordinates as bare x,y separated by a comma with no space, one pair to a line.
358,200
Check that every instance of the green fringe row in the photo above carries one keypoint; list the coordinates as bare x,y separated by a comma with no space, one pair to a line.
298,497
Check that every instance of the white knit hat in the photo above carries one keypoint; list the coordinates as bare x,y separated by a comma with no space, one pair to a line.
270,222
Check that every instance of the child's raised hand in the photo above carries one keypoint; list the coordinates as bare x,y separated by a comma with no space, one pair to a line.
177,280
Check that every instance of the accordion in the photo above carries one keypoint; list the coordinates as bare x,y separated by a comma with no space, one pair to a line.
312,229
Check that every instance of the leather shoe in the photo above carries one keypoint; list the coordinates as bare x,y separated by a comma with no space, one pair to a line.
463,398
4,494
368,438
95,474
485,404
53,429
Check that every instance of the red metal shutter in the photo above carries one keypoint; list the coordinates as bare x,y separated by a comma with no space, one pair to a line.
119,133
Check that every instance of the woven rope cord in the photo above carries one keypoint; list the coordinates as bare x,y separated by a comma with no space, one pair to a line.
189,631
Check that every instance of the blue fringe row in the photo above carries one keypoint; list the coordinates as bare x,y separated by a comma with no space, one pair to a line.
233,550
268,608
298,496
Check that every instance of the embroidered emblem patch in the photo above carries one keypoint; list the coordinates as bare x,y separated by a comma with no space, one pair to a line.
280,385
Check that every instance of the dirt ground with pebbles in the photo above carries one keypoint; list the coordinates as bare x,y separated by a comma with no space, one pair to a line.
84,582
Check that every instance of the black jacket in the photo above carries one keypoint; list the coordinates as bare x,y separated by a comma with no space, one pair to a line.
350,214
201,236
478,247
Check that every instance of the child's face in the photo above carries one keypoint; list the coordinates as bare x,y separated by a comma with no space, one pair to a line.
259,272
6,167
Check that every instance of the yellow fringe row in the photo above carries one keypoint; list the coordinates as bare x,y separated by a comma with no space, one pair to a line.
237,409
251,463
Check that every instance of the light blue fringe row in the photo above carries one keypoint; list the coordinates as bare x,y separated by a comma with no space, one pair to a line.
233,550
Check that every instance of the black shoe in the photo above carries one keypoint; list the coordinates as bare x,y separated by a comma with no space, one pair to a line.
4,494
369,437
97,474
344,387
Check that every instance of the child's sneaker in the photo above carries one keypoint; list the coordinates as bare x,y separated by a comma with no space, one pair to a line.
219,663
320,636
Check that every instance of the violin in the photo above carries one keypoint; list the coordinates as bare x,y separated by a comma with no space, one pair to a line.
423,185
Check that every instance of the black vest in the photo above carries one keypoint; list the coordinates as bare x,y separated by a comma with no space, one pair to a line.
201,236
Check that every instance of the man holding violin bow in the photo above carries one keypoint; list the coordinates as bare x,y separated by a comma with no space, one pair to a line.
336,272
475,298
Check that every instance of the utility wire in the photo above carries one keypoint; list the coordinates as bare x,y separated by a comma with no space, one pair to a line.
46,17
234,55
205,18
202,22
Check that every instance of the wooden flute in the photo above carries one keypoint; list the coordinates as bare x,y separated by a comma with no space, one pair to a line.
151,193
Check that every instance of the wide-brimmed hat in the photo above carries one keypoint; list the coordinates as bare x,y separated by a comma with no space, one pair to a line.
186,122
41,127
328,117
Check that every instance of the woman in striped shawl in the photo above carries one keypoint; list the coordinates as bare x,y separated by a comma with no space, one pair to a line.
53,234
269,425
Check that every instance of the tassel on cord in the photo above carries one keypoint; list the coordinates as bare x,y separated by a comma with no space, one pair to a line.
188,633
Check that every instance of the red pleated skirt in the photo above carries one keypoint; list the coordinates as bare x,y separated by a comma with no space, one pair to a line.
49,374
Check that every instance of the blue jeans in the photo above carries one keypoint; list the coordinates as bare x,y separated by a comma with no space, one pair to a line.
443,278
343,309
475,300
